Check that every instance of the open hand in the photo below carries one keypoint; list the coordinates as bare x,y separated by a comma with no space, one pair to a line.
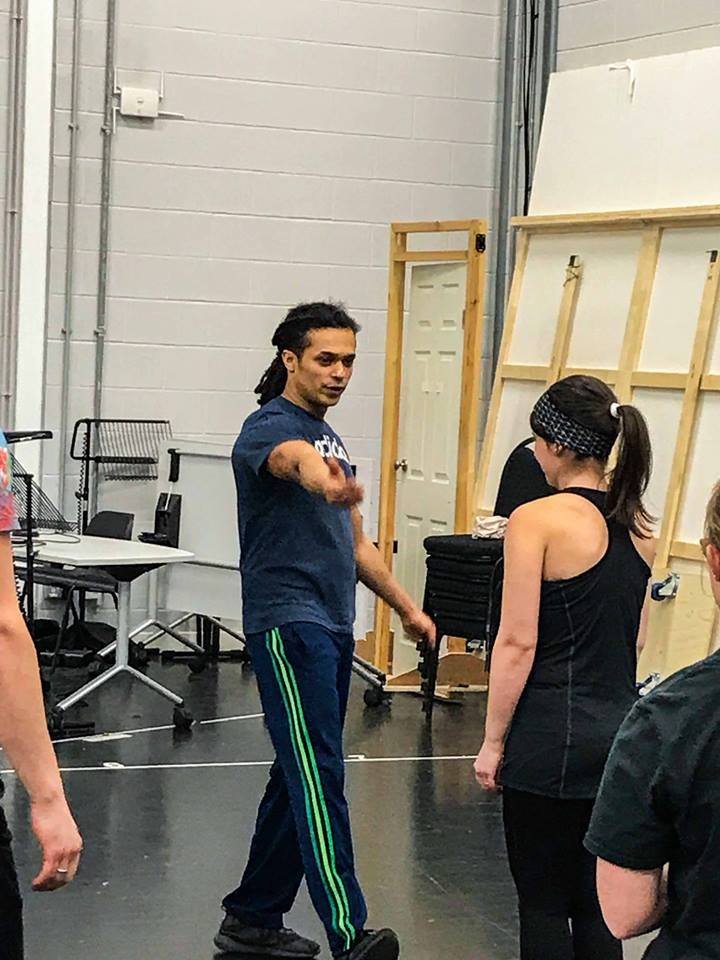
60,844
487,766
340,489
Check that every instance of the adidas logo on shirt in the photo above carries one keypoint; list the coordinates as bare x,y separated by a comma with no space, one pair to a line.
327,447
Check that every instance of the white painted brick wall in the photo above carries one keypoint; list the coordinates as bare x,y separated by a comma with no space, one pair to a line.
593,32
310,126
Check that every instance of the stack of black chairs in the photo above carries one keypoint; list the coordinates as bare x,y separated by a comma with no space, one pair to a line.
458,589
463,588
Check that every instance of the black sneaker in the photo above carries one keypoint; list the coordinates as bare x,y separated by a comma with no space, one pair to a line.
374,945
235,937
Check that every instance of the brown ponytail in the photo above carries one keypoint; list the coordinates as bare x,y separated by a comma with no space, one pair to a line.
630,478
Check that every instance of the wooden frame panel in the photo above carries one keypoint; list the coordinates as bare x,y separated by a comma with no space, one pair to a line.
672,551
521,256
638,314
400,256
621,219
701,347
566,318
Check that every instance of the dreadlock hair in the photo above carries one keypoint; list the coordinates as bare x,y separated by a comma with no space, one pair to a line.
292,334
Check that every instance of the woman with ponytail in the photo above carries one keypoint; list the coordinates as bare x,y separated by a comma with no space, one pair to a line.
564,663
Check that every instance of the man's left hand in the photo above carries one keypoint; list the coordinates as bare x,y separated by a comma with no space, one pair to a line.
420,627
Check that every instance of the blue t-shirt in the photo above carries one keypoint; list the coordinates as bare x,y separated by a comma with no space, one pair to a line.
297,555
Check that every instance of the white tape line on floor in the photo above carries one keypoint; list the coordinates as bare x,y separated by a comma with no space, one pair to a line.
116,734
223,764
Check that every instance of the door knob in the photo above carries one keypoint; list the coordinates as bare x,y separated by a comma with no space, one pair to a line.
401,465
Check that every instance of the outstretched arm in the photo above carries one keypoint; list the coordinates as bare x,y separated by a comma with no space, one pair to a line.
300,462
373,572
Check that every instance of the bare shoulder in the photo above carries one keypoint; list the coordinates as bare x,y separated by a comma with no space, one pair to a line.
534,516
547,511
560,519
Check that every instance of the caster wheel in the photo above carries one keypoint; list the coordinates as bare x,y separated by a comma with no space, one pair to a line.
244,657
374,696
138,657
55,723
182,718
197,665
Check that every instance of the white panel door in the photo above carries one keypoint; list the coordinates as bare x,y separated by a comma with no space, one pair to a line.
428,436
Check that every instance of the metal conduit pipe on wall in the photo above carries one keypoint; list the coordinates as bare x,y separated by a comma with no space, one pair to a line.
105,199
13,209
504,204
512,128
66,332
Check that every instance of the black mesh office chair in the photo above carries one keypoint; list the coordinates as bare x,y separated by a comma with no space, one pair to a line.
78,580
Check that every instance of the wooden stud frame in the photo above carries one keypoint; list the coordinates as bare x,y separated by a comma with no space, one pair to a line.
652,224
400,256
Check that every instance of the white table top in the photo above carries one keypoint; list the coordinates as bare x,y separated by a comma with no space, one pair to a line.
106,552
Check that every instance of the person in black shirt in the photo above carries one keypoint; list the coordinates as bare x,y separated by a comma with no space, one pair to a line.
522,480
564,663
659,804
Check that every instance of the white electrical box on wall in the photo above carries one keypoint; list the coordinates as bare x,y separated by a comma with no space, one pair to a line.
139,102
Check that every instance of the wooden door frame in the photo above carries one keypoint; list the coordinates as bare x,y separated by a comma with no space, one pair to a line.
400,256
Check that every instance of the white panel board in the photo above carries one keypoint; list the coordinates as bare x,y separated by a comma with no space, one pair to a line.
661,409
205,590
540,298
704,470
208,527
609,266
677,292
513,426
714,352
610,144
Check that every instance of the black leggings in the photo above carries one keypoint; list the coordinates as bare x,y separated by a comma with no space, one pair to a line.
560,916
11,925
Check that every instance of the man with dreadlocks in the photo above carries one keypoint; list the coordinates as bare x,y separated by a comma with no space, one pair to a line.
302,551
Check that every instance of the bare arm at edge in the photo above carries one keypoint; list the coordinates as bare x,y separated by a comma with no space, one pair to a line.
25,738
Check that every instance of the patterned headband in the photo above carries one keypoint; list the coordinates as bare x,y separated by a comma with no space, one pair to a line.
569,433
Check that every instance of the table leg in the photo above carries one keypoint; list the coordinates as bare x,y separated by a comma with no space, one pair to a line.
161,628
122,652
89,688
157,687
121,665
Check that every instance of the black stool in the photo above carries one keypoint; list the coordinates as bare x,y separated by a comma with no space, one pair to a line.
458,586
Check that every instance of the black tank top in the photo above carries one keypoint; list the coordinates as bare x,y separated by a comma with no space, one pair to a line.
582,681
